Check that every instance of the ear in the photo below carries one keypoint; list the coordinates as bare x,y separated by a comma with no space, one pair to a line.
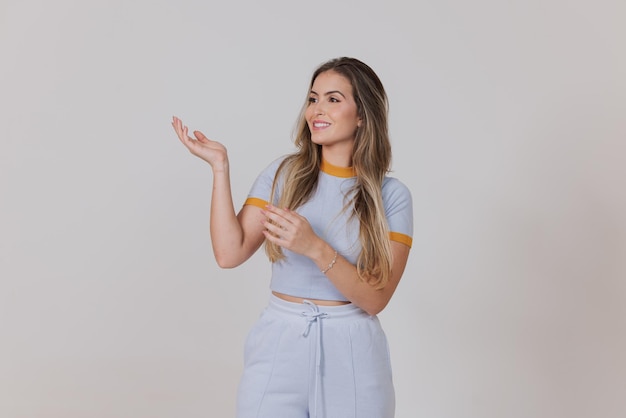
358,124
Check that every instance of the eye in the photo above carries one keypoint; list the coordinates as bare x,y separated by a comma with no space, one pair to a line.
334,100
312,100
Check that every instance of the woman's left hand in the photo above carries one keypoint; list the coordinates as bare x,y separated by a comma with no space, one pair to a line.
289,230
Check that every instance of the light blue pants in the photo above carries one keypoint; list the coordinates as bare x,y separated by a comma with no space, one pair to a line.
305,360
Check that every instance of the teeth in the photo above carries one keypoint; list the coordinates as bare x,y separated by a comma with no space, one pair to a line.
321,125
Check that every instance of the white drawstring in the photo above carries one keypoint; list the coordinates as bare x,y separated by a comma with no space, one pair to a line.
314,315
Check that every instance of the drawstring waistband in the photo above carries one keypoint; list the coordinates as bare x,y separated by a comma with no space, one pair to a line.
315,316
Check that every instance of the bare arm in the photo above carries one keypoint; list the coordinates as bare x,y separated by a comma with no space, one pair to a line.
235,237
292,231
343,274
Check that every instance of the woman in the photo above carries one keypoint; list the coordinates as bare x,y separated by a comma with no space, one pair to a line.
338,231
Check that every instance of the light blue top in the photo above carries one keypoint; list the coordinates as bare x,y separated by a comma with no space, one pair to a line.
298,275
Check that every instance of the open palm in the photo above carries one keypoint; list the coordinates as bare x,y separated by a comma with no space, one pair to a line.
212,152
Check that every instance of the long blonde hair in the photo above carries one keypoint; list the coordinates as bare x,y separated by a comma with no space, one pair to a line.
371,159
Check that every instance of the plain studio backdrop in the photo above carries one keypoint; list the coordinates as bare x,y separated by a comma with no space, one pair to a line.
508,123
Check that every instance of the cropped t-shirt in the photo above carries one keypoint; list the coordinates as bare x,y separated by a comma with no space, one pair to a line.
297,275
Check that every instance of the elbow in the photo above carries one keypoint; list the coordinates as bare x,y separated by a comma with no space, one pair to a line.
372,312
225,262
376,302
374,308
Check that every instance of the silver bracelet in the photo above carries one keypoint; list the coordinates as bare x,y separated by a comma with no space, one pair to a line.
331,264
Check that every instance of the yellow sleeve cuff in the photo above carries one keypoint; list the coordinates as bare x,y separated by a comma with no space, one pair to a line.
401,238
260,203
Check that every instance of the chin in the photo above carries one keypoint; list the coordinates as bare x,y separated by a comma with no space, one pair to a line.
317,140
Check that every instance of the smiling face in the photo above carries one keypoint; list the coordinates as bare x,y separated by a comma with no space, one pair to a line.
332,114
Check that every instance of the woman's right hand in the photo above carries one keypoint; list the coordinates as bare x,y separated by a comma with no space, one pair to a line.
212,152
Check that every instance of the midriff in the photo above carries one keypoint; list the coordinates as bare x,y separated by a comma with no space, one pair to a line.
320,302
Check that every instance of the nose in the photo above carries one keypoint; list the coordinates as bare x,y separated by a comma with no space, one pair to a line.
318,109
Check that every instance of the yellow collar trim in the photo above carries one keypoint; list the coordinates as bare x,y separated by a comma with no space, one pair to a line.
337,171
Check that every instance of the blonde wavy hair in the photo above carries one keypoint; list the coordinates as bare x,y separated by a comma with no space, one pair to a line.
371,159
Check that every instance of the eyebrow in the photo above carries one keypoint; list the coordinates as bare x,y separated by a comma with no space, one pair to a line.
329,93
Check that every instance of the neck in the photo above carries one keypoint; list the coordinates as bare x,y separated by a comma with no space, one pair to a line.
336,157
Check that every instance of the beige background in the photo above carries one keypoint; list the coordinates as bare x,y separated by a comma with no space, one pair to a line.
508,125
